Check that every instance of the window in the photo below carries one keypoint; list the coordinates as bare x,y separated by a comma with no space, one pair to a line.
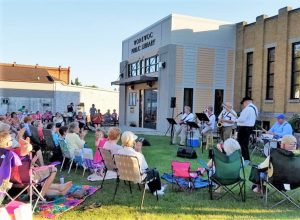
295,78
249,71
151,64
141,67
188,97
270,73
132,99
219,98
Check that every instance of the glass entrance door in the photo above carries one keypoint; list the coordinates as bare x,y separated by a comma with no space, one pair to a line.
150,108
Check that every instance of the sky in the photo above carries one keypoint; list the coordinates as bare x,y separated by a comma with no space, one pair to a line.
87,34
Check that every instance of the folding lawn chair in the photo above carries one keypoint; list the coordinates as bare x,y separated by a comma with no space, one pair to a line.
6,164
88,161
227,173
34,135
128,169
66,154
283,176
182,170
108,162
22,179
78,159
50,146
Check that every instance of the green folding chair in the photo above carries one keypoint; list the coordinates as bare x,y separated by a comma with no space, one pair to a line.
227,174
284,180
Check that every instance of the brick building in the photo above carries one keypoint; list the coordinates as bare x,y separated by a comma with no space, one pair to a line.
267,63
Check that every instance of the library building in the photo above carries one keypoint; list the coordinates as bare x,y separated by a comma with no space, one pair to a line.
185,59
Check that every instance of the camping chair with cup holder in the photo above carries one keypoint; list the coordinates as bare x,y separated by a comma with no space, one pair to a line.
228,173
182,170
282,177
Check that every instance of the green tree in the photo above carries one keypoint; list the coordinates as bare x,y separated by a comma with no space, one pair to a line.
77,82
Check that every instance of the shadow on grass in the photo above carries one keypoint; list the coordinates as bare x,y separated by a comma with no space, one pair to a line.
173,205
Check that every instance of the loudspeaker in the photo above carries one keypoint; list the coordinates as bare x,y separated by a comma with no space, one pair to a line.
186,153
173,102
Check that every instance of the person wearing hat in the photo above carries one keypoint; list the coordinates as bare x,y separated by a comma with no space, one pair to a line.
133,148
281,127
245,124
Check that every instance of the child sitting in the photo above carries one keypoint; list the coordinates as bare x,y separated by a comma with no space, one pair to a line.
100,140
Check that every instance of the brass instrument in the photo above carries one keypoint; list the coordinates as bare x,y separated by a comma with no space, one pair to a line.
220,124
229,110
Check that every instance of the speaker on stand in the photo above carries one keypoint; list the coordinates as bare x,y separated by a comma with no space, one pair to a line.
171,126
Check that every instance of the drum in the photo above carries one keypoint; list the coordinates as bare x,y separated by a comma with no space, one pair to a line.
269,145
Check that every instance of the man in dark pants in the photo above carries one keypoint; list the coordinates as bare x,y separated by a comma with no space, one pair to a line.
245,123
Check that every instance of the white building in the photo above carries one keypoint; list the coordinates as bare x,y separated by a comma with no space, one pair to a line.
189,58
38,90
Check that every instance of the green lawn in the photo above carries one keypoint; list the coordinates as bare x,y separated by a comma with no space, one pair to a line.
173,205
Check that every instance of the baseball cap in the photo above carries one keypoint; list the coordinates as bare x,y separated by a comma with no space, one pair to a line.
280,116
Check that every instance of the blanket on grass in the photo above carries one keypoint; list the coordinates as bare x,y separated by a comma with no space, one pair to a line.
62,204
199,182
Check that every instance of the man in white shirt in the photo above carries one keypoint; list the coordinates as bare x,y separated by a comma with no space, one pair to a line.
210,125
245,124
227,118
182,130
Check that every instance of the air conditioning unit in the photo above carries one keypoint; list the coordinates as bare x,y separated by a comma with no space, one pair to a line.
5,101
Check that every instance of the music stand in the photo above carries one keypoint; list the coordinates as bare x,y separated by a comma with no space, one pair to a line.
202,118
191,125
172,122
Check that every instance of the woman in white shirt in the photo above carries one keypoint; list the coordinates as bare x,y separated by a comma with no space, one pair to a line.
75,139
132,148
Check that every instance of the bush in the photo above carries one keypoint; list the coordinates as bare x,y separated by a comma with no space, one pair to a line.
295,123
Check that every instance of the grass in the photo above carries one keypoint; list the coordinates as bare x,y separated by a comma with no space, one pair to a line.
173,205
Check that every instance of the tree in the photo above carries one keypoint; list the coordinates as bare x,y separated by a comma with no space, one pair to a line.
77,82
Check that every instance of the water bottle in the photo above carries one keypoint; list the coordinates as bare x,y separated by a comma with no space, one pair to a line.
62,179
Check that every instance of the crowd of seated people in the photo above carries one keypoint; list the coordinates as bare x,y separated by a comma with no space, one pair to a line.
98,119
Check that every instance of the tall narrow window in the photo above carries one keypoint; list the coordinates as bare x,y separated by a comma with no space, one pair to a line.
270,73
188,97
249,72
295,78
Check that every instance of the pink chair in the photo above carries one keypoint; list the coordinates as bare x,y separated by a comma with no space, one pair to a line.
182,176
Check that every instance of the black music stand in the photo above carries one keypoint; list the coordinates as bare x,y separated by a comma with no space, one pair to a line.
202,118
191,125
172,122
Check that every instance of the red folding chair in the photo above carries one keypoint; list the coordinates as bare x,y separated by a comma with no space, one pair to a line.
182,176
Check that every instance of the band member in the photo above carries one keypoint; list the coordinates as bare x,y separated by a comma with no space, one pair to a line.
281,127
245,124
226,118
210,125
182,130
